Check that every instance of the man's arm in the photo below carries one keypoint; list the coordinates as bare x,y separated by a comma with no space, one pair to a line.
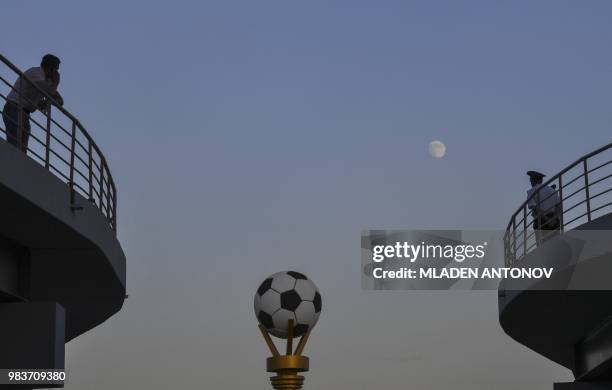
531,203
58,98
50,87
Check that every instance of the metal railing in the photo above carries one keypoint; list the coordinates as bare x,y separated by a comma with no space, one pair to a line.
584,192
60,143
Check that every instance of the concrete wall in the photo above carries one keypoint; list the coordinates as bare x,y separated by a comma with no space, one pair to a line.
75,257
32,335
13,259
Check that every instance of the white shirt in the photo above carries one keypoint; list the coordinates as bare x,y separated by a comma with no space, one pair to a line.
30,96
548,197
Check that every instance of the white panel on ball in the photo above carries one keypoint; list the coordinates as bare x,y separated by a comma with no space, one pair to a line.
306,289
282,282
305,314
270,302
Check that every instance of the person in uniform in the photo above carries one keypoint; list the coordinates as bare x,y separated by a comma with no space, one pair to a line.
26,97
545,205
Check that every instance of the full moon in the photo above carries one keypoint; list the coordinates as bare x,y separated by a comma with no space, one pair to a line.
437,149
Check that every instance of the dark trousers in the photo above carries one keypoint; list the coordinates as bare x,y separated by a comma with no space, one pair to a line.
546,227
16,135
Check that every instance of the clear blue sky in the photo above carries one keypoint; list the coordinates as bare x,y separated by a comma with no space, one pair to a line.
247,137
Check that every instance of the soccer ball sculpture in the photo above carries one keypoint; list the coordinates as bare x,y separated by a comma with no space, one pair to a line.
284,296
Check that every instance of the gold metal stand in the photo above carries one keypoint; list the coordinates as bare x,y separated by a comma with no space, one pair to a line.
286,366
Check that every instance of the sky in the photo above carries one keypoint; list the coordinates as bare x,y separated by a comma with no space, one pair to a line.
251,137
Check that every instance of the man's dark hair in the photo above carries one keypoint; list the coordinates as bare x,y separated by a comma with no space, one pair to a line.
536,180
50,61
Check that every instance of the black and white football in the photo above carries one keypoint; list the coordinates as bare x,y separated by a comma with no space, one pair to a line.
284,296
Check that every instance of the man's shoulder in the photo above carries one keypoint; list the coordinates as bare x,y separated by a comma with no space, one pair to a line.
543,190
35,73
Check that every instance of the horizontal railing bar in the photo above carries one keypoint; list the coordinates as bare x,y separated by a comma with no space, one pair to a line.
60,157
95,192
581,176
80,173
601,193
591,184
95,164
579,190
519,243
96,180
599,166
77,142
59,141
32,136
530,248
565,211
8,83
59,172
530,235
37,124
578,217
62,128
80,159
36,154
601,207
78,186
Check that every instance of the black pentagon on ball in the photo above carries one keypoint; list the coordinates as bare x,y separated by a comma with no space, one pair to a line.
297,275
290,300
299,330
317,302
265,286
265,319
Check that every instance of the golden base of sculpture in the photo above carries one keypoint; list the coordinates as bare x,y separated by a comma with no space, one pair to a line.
286,369
289,365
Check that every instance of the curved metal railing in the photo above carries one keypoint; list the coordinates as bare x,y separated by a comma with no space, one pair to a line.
60,143
584,190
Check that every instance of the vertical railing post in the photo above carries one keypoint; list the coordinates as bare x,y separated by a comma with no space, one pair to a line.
514,239
586,189
90,168
72,151
101,194
560,205
20,115
538,217
114,207
48,138
108,203
524,230
506,250
72,146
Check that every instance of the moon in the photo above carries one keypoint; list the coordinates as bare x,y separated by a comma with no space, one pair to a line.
437,149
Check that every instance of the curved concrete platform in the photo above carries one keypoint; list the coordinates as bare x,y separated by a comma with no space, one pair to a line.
72,255
560,324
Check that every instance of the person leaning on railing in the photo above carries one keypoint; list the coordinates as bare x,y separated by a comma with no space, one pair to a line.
544,203
25,98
